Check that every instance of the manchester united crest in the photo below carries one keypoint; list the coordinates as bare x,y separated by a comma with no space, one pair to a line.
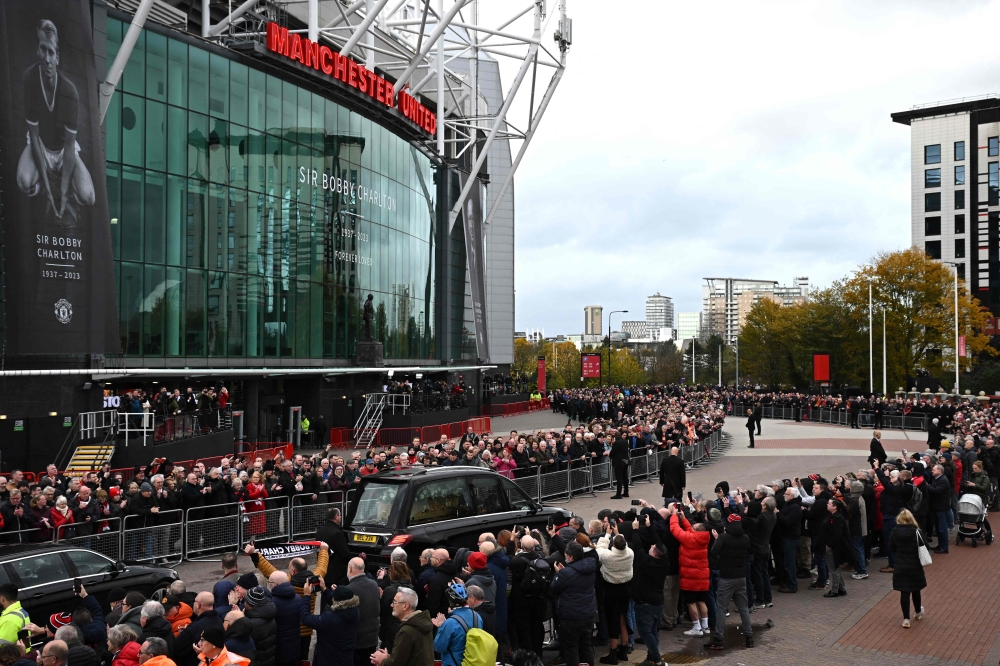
64,311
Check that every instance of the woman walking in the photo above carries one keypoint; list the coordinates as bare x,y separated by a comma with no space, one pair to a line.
908,576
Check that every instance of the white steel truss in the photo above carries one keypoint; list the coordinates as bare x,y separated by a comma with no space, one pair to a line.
417,43
414,41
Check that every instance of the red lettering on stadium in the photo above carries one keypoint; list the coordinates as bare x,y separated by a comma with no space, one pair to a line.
322,59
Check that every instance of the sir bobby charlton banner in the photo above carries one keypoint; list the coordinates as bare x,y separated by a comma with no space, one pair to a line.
58,277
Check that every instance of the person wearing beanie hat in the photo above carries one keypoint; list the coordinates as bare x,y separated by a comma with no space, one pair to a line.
57,620
298,576
336,627
732,548
213,649
480,575
115,598
145,488
261,613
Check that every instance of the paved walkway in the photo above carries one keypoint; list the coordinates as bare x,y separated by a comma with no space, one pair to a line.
863,628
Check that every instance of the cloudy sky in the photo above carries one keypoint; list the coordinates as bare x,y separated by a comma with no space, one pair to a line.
743,139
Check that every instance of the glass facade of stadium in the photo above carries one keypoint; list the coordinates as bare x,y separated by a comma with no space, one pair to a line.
224,248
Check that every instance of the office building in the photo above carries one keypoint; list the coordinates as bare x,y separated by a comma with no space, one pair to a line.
634,329
726,302
659,312
955,188
688,325
593,321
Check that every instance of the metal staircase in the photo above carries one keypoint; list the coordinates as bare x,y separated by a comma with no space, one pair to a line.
91,442
366,429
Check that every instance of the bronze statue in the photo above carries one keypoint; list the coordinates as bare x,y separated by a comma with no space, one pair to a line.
369,319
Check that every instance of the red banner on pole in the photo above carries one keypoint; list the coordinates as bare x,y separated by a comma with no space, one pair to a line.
961,345
541,375
821,367
591,366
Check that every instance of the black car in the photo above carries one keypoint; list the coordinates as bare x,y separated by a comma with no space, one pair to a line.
44,575
435,507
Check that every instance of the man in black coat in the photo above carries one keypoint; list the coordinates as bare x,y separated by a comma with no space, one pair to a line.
444,571
790,524
204,617
817,517
877,450
751,424
940,506
673,477
649,570
732,549
331,533
619,464
933,435
528,611
758,414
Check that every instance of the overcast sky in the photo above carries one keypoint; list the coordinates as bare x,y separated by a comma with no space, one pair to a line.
743,139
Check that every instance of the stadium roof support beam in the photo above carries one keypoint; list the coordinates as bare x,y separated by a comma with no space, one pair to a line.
502,113
124,52
431,41
362,29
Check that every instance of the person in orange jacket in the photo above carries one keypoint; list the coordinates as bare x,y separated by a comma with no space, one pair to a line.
213,650
177,613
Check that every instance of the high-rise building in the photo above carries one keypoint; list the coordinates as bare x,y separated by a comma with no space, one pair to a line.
955,187
593,321
635,329
659,312
726,302
688,325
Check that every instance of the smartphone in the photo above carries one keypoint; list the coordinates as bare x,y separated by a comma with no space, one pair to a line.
77,586
690,497
314,581
636,502
23,635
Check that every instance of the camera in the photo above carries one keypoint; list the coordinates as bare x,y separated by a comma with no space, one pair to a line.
636,502
314,582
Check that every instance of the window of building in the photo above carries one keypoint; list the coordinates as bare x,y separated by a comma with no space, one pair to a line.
932,178
932,226
994,185
994,146
932,202
960,269
959,151
960,175
959,199
960,224
959,248
933,249
932,154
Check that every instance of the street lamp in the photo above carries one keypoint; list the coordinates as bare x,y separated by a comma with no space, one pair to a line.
954,267
871,346
609,340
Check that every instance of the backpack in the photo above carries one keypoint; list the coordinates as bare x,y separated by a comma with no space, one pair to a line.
480,647
917,504
537,578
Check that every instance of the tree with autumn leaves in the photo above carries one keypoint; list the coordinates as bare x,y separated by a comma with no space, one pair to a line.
917,297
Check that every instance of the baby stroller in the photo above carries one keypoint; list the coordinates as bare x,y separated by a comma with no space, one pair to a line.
972,520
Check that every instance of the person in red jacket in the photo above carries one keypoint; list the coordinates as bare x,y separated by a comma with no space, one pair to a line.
693,560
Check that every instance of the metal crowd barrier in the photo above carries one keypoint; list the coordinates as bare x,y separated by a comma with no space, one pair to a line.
107,542
212,530
308,517
841,417
20,536
269,523
163,541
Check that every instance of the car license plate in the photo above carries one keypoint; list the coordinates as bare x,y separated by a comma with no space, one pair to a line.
366,538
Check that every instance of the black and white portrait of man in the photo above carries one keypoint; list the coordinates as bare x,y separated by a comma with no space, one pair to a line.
50,165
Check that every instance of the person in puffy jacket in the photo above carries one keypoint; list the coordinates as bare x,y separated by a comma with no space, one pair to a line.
616,572
123,646
575,605
238,638
288,605
693,567
497,561
790,528
185,652
732,548
481,576
261,612
336,627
